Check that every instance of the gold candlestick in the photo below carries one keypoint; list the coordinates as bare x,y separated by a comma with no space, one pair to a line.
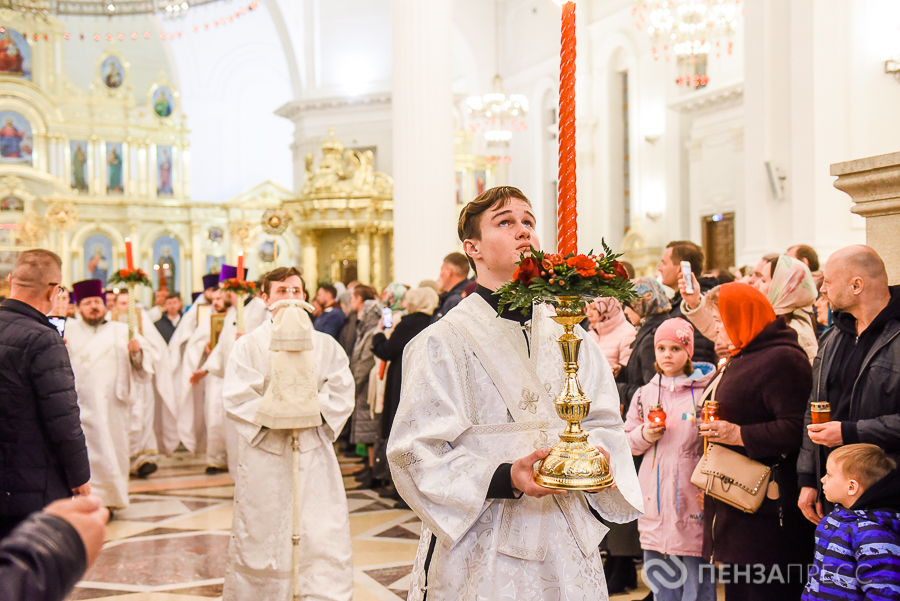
239,309
573,463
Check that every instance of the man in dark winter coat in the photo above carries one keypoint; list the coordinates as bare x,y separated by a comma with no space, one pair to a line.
43,558
452,280
43,456
669,269
855,370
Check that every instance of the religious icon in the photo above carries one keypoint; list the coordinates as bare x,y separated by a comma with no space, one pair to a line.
15,138
79,166
214,264
216,323
165,263
215,235
163,101
114,168
97,257
12,203
164,170
15,54
111,72
480,181
267,251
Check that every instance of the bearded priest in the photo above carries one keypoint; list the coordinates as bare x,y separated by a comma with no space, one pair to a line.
476,412
259,557
110,376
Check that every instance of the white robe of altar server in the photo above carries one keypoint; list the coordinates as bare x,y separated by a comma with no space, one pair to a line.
184,423
259,557
108,386
475,396
221,431
157,391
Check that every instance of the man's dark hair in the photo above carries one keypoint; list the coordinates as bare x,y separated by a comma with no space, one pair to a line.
685,250
329,289
173,295
280,274
807,253
469,225
459,262
364,292
36,268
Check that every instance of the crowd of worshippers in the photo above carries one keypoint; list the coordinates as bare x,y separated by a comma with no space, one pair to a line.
774,337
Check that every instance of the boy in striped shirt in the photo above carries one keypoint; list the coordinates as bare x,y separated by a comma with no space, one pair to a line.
858,544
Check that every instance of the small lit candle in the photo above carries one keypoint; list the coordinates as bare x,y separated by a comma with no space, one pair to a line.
128,258
657,415
240,267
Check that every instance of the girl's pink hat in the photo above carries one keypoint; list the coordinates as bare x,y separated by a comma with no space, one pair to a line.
677,330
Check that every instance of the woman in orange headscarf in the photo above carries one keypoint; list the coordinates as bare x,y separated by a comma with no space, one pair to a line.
762,398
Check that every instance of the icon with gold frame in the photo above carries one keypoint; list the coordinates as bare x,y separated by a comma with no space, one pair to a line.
216,323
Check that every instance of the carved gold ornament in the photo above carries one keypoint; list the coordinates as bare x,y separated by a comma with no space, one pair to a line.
241,231
275,221
62,215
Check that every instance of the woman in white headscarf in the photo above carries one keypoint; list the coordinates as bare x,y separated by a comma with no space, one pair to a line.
792,293
788,286
611,330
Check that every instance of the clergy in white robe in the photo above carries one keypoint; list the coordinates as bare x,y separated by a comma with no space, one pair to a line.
110,375
221,431
259,565
156,391
205,391
476,411
178,424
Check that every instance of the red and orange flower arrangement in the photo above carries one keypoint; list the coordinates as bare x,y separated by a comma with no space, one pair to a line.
239,286
130,276
542,276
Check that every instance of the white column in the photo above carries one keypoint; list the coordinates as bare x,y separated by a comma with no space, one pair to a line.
364,257
422,101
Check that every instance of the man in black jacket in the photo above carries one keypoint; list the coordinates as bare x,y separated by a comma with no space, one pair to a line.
452,281
669,269
43,456
43,558
855,370
169,321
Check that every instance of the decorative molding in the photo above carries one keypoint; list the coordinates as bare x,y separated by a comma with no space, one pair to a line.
707,99
298,108
872,183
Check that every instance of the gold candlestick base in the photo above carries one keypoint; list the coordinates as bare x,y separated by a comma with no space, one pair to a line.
573,463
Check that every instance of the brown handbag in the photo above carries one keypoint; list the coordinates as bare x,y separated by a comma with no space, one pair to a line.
731,477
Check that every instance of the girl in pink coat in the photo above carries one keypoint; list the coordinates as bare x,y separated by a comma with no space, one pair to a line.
672,525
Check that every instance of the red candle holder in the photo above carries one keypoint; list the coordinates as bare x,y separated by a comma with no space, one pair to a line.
657,415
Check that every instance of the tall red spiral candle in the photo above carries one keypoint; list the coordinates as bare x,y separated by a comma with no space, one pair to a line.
567,215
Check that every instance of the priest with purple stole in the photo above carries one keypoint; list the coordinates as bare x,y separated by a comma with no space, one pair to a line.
110,375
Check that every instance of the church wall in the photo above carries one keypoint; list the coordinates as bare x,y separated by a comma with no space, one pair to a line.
233,78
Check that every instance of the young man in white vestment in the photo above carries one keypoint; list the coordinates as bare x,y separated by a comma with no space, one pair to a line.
178,425
476,412
111,373
158,391
259,562
209,387
212,372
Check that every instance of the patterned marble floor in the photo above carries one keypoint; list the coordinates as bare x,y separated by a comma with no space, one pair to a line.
171,544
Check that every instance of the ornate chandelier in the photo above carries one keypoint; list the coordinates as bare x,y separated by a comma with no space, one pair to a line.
495,113
691,30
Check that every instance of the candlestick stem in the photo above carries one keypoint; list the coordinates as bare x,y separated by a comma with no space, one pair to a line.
132,312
